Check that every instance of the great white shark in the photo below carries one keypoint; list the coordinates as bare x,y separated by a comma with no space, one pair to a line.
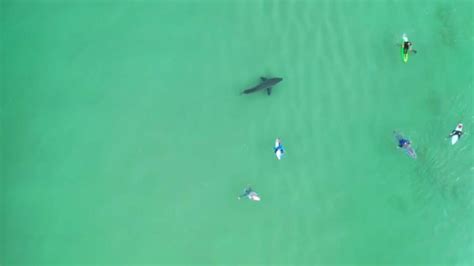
265,84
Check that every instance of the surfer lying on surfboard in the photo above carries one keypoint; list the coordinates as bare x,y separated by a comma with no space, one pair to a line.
278,149
407,45
456,132
405,144
250,194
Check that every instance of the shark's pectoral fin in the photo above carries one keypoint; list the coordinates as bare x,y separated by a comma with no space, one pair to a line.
263,78
269,90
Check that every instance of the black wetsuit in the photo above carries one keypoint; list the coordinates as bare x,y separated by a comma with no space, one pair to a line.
406,47
456,132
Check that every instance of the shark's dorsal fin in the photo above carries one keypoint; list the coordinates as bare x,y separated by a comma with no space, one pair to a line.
269,90
263,78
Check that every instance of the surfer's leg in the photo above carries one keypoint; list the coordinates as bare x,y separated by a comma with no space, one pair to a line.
243,195
397,135
246,193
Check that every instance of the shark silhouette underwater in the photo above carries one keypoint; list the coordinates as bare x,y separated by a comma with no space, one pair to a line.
265,84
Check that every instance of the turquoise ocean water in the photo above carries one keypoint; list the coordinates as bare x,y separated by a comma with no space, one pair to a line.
124,139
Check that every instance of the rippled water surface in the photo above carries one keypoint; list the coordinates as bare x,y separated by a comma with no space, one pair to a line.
125,140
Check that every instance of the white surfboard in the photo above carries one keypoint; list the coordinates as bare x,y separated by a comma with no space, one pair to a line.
455,138
279,152
254,197
405,37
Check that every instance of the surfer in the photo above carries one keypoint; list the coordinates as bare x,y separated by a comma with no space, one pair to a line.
278,149
458,131
405,144
407,45
250,194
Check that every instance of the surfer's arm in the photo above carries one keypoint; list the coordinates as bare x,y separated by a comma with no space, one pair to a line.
243,195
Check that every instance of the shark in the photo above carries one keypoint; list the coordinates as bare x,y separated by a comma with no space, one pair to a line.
265,84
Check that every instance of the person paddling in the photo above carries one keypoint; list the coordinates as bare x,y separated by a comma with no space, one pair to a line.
250,194
407,45
405,144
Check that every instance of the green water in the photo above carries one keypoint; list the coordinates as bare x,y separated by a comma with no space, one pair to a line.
124,139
